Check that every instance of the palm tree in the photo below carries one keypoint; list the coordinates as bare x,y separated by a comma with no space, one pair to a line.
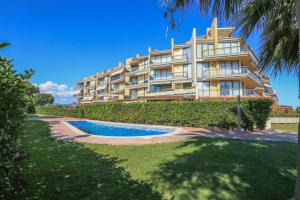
278,22
3,44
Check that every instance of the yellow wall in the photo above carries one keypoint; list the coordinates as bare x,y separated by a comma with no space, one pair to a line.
178,68
214,88
141,64
178,86
140,78
141,92
178,52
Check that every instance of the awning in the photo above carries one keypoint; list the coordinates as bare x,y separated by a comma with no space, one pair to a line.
87,98
102,87
117,72
76,92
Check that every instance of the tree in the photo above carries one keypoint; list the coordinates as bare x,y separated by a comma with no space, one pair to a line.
43,99
16,94
278,22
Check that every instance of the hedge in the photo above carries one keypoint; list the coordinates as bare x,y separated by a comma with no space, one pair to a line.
204,114
66,111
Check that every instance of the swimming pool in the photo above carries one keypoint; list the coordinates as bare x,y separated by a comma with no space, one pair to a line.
118,129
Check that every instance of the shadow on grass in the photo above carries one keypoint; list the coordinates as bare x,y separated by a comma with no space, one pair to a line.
227,169
67,170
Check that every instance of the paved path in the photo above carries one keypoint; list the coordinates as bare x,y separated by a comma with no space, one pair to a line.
61,131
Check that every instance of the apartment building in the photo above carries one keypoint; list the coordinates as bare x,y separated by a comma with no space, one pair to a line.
215,65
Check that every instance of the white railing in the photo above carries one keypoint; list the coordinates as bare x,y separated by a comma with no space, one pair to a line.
181,75
233,71
158,78
230,51
227,92
78,88
182,58
190,91
117,90
139,69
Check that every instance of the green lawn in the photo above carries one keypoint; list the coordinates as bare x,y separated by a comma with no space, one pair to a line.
200,168
293,128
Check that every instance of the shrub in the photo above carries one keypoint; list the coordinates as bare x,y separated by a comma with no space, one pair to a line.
16,94
66,111
43,99
186,113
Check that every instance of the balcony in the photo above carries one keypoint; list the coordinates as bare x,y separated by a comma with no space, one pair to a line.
117,90
137,84
118,79
103,83
90,87
161,79
185,58
88,98
231,73
227,93
78,88
182,77
137,71
228,52
172,92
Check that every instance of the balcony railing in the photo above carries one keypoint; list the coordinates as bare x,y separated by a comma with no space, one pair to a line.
117,90
172,92
134,83
232,72
158,78
103,82
121,78
182,58
174,59
181,75
227,92
90,86
230,51
136,70
78,88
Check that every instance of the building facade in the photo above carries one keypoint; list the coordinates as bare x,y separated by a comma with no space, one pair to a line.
212,66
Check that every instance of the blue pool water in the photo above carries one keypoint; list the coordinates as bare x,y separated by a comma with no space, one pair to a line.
118,130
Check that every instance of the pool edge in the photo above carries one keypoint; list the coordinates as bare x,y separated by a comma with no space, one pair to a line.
80,132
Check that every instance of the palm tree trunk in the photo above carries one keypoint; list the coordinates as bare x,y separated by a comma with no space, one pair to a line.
297,190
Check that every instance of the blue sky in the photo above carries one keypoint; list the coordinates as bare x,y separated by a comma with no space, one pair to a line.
65,40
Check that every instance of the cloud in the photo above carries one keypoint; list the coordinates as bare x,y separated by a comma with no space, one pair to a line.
61,92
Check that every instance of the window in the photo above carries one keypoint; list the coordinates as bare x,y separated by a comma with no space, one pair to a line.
133,94
228,48
205,50
187,54
229,88
160,88
165,58
187,71
161,74
230,67
204,88
202,69
115,77
134,81
134,68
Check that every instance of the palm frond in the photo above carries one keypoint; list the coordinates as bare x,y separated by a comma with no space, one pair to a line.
224,9
275,20
3,44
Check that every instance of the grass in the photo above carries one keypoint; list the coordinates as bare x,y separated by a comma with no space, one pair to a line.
292,128
199,168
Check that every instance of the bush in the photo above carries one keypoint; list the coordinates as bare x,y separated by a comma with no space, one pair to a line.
204,114
16,95
66,111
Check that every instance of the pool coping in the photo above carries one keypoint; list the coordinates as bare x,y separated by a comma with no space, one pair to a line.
78,131
64,131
